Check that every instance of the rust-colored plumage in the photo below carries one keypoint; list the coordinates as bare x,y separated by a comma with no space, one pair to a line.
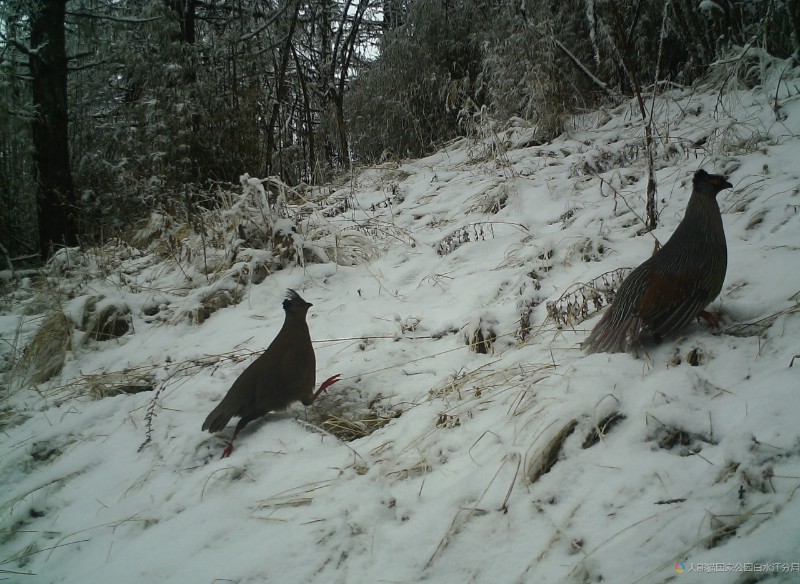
283,374
666,292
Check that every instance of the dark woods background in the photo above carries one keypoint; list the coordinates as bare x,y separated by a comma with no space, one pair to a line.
110,108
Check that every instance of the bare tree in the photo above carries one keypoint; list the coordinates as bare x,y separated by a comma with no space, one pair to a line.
18,226
338,68
283,58
793,8
48,68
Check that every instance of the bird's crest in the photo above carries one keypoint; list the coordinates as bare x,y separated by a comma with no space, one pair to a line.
715,181
294,301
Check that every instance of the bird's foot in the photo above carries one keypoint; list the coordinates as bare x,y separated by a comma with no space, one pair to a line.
327,383
711,318
228,449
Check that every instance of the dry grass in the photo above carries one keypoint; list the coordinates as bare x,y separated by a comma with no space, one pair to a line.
349,249
601,428
110,322
44,356
353,428
296,497
348,418
102,385
582,300
760,326
484,379
545,457
482,341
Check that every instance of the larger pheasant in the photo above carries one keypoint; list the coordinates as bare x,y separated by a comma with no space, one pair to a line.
660,297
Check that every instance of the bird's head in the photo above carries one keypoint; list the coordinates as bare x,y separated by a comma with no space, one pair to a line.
711,183
294,304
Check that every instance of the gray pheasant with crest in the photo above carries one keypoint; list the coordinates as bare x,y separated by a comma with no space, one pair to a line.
283,374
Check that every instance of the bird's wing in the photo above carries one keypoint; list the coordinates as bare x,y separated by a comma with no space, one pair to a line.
670,302
671,322
299,371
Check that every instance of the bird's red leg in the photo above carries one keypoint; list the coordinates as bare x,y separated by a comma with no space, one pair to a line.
710,318
326,384
229,448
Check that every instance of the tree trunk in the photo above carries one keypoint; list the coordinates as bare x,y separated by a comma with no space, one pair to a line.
280,90
341,126
394,15
185,10
793,8
344,51
48,62
307,123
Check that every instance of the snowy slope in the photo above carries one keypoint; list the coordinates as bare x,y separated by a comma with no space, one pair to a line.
690,453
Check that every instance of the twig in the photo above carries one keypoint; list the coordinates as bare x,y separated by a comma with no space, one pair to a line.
150,415
586,71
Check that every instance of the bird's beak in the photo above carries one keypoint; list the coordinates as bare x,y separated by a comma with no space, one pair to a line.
720,183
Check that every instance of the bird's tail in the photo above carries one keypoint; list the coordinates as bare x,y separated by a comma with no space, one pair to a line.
219,417
610,337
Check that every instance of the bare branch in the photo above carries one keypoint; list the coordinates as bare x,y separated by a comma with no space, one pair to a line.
125,19
586,71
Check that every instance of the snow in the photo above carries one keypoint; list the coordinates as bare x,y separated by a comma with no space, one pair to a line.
702,464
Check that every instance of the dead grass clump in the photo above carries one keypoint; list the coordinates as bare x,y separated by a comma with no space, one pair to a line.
465,234
45,451
113,383
394,175
448,421
216,300
588,249
481,231
419,468
482,339
44,355
491,201
106,384
602,428
683,442
454,384
485,380
11,417
110,321
726,526
347,418
547,456
208,239
349,249
582,300
155,229
349,429
525,327
258,273
729,470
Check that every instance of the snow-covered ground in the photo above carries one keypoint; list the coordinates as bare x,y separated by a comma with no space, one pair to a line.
528,462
